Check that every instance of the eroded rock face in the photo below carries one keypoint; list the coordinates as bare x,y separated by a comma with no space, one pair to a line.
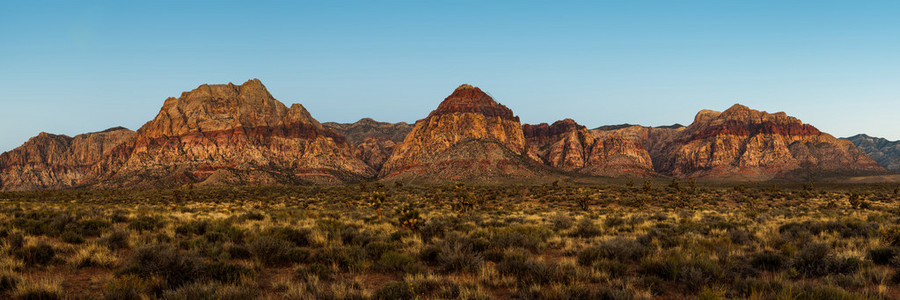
886,153
741,143
568,146
468,135
374,141
365,128
49,161
237,132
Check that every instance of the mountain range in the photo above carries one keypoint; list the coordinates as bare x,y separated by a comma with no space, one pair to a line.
230,134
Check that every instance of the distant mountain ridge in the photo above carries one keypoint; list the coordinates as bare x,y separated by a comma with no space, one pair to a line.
883,151
229,134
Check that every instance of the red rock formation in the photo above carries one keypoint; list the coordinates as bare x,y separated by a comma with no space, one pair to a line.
374,141
240,132
469,135
49,161
741,143
571,147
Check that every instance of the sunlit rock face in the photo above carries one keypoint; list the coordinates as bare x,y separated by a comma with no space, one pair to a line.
741,143
50,161
568,146
469,135
233,134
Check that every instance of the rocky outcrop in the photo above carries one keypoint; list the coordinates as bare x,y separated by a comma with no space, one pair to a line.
886,153
49,161
568,146
745,144
374,141
468,136
365,128
237,134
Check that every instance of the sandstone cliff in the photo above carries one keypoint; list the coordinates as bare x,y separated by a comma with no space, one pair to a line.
885,152
374,141
49,161
745,144
231,134
568,146
468,136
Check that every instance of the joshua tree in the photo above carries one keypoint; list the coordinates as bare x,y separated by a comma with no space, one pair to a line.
376,200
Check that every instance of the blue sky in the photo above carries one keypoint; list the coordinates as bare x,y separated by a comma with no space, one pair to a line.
71,67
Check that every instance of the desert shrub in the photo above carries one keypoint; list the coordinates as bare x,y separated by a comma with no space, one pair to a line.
768,261
91,228
275,252
436,227
347,257
356,236
849,228
816,292
197,227
127,287
740,236
93,256
210,291
71,237
297,237
253,216
891,235
164,261
375,249
521,236
517,263
692,274
396,290
883,255
116,240
238,252
665,234
795,230
585,228
224,272
747,287
818,259
39,290
455,254
9,280
618,248
15,241
396,262
37,255
319,270
561,221
145,223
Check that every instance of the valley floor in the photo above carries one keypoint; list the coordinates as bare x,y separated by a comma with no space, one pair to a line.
643,240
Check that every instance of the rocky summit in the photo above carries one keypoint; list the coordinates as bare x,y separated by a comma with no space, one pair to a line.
468,136
568,146
233,134
745,144
883,151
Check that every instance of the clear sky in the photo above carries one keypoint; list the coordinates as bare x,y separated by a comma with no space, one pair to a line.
71,67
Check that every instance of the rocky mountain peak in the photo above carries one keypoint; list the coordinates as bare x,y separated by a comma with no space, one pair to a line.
470,99
705,116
